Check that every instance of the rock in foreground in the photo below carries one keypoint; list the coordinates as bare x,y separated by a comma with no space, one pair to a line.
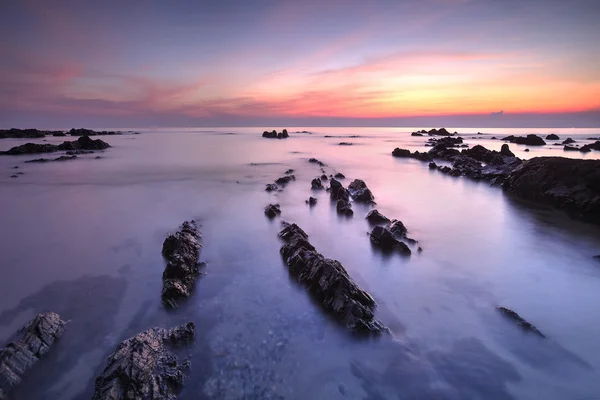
329,282
143,367
20,355
568,184
272,210
360,192
375,217
181,250
386,240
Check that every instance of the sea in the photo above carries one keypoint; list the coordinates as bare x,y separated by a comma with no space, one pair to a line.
83,238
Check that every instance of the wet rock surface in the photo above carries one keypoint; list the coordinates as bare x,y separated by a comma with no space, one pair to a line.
316,184
383,238
343,207
274,135
522,323
34,341
83,143
329,282
568,184
375,217
360,192
181,250
272,210
337,191
144,366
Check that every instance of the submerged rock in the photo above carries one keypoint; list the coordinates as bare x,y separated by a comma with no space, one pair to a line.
344,207
448,141
89,132
285,180
573,148
329,283
181,250
272,210
568,184
552,136
385,239
360,192
23,133
375,217
311,201
315,161
35,341
527,326
289,171
590,146
271,187
433,165
316,184
345,144
43,160
324,177
144,367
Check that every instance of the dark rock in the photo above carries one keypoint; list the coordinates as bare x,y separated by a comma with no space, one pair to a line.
572,148
526,150
384,239
324,177
552,136
75,152
398,229
59,134
339,175
329,283
510,314
272,210
274,135
505,151
22,133
436,132
289,171
568,141
398,152
432,165
420,249
569,184
344,207
43,160
593,138
345,144
181,250
31,148
15,167
416,134
494,138
89,132
311,201
315,161
285,180
447,141
375,217
591,146
337,190
271,187
529,140
597,257
83,143
14,176
360,192
144,366
316,184
34,342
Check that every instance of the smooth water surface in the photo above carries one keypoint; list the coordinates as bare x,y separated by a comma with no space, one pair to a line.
83,238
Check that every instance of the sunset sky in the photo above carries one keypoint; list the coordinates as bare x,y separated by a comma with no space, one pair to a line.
227,62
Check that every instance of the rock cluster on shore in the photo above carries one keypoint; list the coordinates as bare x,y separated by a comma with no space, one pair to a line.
274,135
83,143
329,282
34,342
434,132
181,250
144,366
341,195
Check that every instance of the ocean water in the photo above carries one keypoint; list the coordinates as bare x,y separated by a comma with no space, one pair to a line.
83,238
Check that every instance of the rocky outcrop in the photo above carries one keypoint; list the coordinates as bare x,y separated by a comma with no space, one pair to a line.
316,184
271,187
375,217
448,141
402,153
360,192
89,132
529,140
337,190
315,161
416,134
289,171
568,141
15,133
436,132
272,210
144,367
526,326
552,136
83,143
35,340
505,151
324,178
573,148
568,184
329,282
274,135
284,180
590,146
345,144
181,250
343,207
339,175
43,160
384,239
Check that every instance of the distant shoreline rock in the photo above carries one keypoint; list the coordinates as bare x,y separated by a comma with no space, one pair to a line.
83,143
274,135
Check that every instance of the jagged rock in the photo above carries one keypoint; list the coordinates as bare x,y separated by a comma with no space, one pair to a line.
34,342
505,151
316,184
569,184
271,187
527,326
385,239
330,283
448,141
552,136
337,190
375,217
181,250
285,180
315,161
530,140
398,228
568,141
360,192
83,143
339,175
432,165
274,135
27,133
43,160
436,132
144,367
344,207
272,210
311,201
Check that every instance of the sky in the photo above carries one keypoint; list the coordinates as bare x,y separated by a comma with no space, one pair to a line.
178,63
